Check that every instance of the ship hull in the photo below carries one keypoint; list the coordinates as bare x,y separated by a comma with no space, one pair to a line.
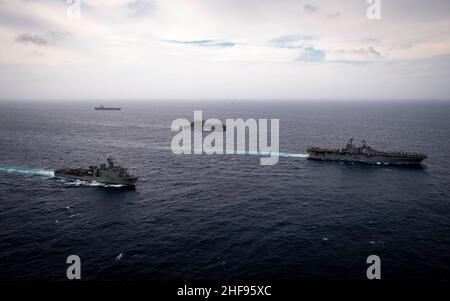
107,109
363,158
131,181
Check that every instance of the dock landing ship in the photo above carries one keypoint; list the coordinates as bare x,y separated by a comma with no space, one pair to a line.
105,173
365,154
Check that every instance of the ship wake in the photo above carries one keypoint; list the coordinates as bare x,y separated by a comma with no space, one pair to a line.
50,174
273,154
280,154
28,171
80,183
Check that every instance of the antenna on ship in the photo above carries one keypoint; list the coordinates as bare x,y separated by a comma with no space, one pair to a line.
110,162
350,142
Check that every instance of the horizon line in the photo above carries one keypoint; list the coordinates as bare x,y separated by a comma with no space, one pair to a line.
230,99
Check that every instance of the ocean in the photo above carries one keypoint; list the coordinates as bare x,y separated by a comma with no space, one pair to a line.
223,217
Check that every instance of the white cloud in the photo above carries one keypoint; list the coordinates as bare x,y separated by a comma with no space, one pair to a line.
320,43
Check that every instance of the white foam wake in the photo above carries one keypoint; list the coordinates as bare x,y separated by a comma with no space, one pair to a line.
279,154
28,171
275,154
78,183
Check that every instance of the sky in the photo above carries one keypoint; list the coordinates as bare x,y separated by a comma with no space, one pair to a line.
224,49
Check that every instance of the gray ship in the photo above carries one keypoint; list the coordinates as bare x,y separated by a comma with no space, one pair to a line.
105,173
103,108
365,154
202,125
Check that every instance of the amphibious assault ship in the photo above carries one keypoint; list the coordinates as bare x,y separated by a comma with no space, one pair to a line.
105,173
365,154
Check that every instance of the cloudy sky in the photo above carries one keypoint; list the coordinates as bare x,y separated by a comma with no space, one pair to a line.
224,49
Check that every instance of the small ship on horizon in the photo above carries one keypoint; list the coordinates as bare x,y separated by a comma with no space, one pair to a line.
202,125
365,154
105,173
103,108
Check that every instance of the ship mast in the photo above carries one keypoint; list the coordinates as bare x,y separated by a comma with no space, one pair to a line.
350,142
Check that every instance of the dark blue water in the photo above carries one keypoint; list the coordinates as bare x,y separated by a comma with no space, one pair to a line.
202,217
